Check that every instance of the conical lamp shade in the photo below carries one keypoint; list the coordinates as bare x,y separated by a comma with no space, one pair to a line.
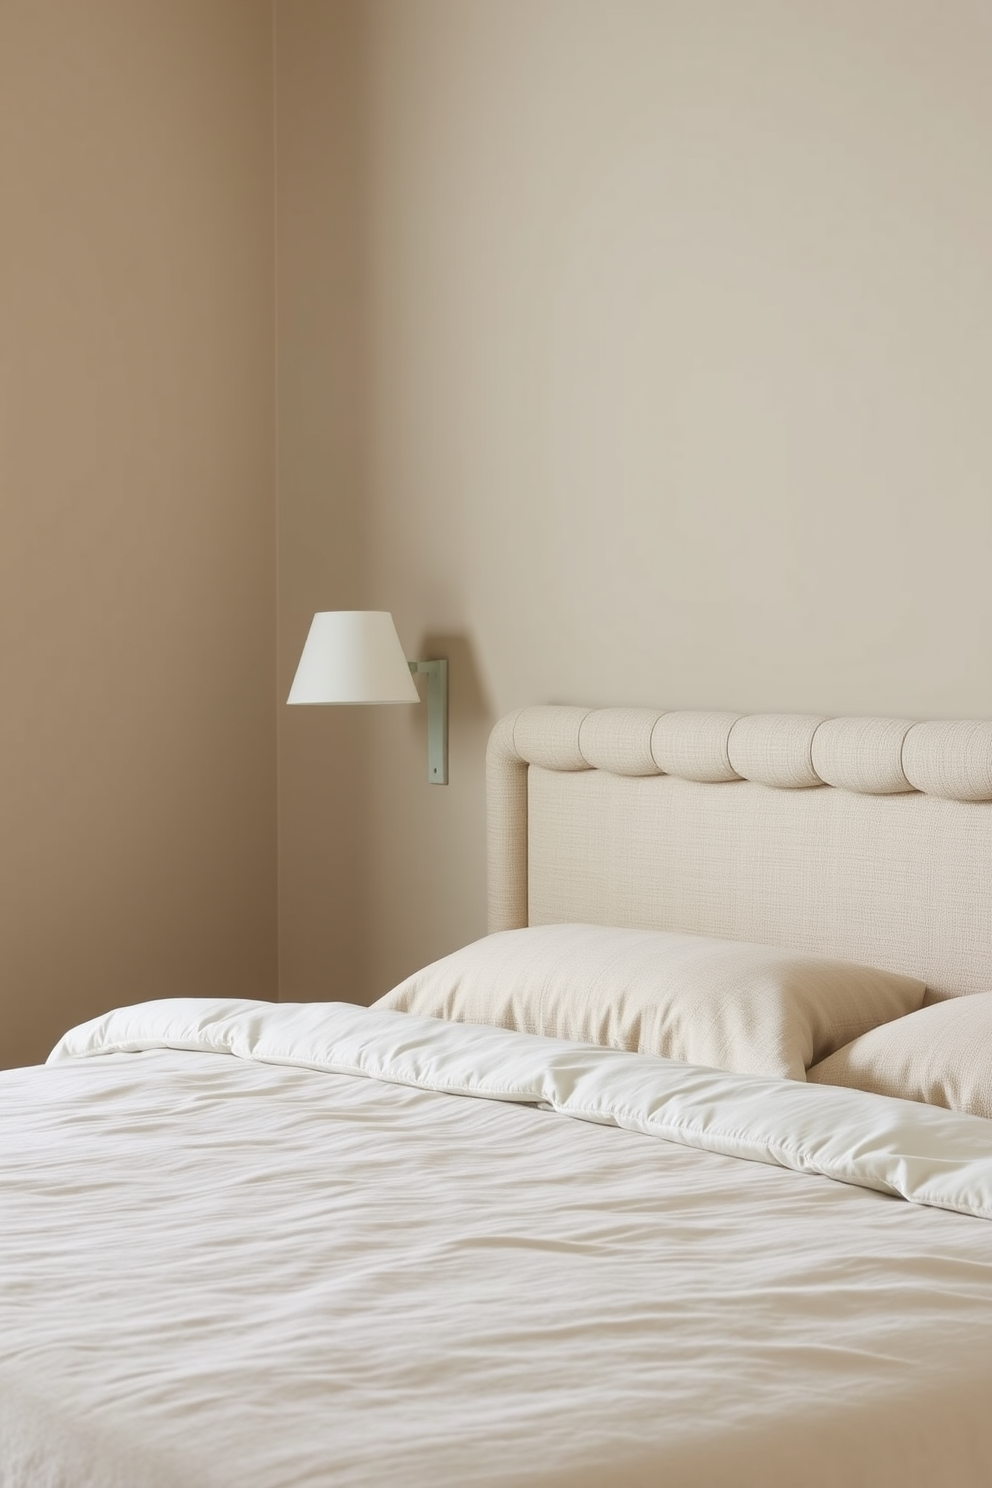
353,656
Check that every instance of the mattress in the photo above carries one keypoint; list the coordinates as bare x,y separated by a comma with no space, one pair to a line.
265,1245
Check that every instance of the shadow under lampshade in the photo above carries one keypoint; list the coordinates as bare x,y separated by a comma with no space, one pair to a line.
353,656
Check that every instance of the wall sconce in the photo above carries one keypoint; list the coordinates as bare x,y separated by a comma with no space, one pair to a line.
355,656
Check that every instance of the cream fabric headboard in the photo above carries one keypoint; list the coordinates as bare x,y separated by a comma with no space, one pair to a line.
864,838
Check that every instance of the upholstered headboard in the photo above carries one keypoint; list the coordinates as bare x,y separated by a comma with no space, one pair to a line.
863,838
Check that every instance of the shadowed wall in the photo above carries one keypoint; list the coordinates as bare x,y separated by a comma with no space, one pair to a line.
137,738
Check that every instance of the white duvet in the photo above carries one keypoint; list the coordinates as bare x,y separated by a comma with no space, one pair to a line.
322,1262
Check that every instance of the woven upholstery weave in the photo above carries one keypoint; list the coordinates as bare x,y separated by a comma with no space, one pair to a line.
886,862
941,1055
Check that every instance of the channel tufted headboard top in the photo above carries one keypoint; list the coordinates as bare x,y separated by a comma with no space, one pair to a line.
863,838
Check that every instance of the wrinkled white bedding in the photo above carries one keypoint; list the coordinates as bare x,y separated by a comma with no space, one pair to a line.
301,1266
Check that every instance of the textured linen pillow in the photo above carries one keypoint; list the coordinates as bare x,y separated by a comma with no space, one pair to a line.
941,1055
752,1008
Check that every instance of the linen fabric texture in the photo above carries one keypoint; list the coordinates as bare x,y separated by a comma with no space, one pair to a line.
368,1278
753,1009
941,1055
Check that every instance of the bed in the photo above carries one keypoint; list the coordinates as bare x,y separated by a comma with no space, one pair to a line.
515,1227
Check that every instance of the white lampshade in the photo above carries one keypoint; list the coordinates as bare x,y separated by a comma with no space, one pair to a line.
353,656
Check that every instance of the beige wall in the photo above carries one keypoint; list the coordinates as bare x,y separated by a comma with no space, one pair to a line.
680,375
322,555
137,788
628,350
377,869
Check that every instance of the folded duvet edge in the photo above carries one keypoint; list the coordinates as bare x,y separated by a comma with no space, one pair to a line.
926,1155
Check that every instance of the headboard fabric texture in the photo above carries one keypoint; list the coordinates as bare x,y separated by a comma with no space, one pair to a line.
863,838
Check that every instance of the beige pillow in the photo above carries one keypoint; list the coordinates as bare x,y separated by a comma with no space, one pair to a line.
941,1055
752,1008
